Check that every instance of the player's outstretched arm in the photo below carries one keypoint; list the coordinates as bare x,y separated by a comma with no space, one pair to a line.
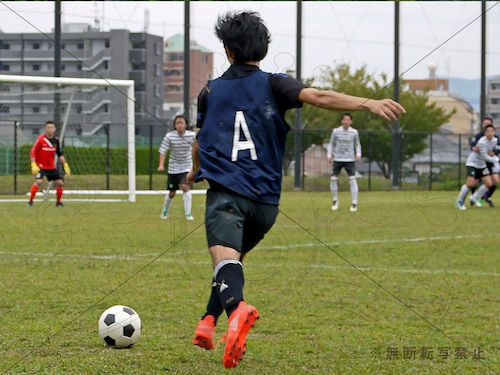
335,101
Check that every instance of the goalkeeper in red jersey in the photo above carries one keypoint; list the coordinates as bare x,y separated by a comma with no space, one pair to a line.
42,157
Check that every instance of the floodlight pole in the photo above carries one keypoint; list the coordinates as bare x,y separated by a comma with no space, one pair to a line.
57,61
483,61
187,60
396,130
297,147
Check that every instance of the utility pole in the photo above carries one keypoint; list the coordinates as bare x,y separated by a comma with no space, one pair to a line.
396,130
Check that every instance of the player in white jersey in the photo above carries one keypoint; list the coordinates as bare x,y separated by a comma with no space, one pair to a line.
344,150
179,143
476,164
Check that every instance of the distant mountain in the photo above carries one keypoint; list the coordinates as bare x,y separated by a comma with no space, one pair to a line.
468,89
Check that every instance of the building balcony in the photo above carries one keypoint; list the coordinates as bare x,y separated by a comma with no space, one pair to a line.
137,56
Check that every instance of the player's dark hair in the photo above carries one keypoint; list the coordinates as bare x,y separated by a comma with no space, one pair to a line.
346,114
181,116
245,34
50,122
488,118
489,126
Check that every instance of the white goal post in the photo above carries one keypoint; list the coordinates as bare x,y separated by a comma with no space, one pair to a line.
80,82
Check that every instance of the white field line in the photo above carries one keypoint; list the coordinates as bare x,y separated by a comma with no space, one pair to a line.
165,258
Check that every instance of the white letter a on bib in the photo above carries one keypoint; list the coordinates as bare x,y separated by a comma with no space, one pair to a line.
241,124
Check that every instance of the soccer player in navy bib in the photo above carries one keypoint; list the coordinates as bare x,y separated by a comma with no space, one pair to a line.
239,149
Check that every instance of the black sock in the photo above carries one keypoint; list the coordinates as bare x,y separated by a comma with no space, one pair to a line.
214,306
229,286
489,192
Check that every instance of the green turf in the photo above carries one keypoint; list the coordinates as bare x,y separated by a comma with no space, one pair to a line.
407,285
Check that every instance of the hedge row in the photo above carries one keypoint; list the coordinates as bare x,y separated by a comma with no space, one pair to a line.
93,160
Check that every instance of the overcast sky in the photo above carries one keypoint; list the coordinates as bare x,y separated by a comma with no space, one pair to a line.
357,33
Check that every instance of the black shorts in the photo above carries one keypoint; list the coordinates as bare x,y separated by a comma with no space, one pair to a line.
174,180
50,174
235,221
477,173
490,167
349,166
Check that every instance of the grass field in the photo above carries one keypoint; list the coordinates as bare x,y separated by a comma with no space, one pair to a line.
406,285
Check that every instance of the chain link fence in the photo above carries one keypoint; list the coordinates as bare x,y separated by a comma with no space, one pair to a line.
427,161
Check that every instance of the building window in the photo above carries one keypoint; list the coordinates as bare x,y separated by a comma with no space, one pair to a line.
35,87
36,45
495,86
204,59
36,109
157,111
495,100
4,66
4,45
157,49
106,43
176,56
36,67
78,107
139,44
106,108
4,108
63,67
79,46
4,87
157,70
35,131
157,91
106,65
79,67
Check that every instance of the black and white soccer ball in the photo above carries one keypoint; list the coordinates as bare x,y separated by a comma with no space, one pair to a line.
119,326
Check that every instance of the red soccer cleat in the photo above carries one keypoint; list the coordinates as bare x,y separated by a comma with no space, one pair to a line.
204,333
239,324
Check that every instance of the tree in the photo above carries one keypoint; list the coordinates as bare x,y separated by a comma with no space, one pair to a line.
421,118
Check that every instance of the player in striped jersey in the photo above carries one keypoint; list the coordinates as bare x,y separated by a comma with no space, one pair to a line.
344,150
179,142
476,164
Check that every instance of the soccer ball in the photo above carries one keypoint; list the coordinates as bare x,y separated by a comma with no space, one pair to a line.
119,326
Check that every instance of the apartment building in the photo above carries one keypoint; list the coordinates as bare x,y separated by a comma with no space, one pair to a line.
86,53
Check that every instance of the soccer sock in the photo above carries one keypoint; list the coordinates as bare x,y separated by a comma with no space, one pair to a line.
214,306
479,192
229,282
33,191
489,193
334,187
59,193
354,189
463,193
188,198
167,202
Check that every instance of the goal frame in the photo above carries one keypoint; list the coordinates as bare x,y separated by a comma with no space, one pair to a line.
130,110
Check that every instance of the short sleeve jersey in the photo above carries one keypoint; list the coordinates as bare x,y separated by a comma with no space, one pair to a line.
180,146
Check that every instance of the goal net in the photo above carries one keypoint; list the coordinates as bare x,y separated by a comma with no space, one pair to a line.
95,124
